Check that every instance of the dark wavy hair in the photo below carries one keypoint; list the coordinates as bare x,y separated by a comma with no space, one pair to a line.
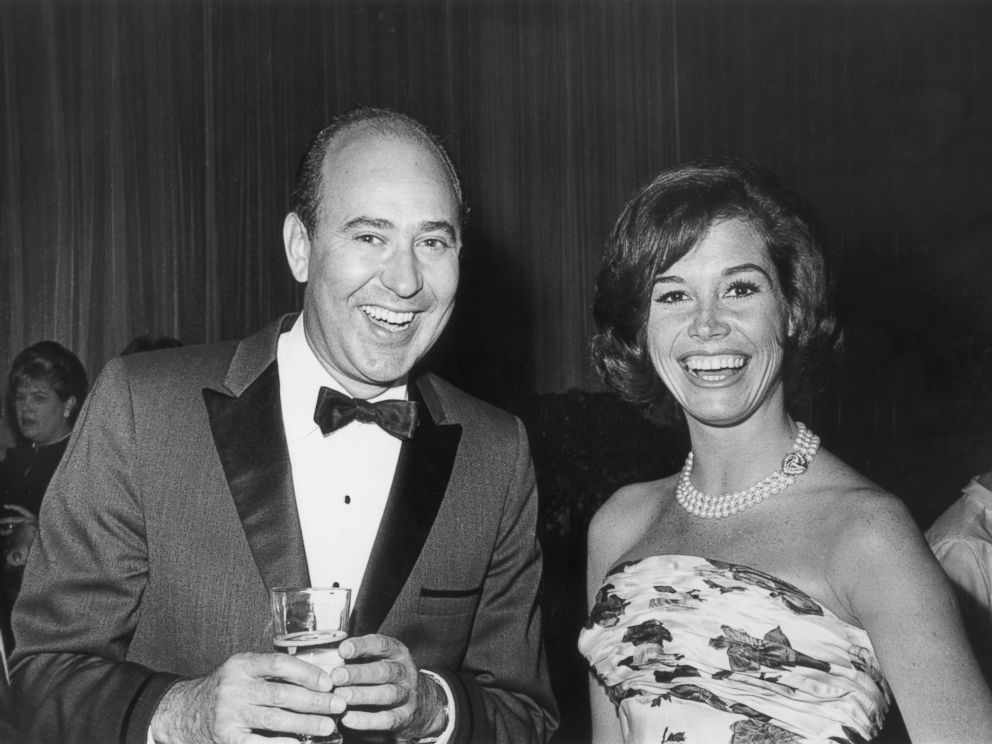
308,185
150,342
50,362
666,219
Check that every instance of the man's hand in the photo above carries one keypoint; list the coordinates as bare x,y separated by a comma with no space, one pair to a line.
247,693
18,533
25,516
379,677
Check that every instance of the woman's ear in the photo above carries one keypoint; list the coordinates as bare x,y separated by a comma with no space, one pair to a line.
69,405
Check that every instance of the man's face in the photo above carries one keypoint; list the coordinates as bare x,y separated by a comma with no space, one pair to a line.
382,269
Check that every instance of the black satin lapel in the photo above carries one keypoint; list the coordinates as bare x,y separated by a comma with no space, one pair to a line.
251,442
421,479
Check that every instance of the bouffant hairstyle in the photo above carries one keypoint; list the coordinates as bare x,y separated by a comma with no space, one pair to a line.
50,362
665,220
308,184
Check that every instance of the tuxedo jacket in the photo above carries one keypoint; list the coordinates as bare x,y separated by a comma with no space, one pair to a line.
173,514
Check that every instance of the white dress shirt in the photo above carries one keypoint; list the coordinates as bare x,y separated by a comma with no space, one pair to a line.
342,480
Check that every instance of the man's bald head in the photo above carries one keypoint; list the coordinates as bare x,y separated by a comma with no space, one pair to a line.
308,186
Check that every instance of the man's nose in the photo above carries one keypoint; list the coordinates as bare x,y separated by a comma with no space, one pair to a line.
402,273
708,322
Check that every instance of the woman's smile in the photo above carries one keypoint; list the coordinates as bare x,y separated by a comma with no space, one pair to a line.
719,368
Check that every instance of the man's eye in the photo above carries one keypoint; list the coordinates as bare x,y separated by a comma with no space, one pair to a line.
435,244
370,239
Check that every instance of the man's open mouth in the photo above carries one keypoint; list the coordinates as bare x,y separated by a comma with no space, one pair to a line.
391,319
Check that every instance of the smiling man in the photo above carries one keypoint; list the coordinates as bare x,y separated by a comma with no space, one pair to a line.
308,454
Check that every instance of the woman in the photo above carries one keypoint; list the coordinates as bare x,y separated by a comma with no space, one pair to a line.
727,604
46,387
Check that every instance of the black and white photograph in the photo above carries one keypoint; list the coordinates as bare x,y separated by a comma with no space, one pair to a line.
496,371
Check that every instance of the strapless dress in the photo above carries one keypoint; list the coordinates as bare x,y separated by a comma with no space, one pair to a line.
701,651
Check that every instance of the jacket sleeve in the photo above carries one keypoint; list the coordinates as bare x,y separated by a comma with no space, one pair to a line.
83,584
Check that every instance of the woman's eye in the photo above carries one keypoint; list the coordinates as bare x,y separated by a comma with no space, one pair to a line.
743,289
672,297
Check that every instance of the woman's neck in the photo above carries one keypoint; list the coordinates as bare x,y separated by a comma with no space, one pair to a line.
732,458
62,438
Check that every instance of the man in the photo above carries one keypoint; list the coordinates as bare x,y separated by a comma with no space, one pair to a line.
201,477
961,538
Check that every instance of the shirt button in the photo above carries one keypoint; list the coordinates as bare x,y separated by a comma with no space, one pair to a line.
347,499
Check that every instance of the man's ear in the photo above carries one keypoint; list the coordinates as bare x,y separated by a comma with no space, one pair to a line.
297,242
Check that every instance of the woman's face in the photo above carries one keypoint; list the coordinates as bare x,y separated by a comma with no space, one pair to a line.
41,415
717,325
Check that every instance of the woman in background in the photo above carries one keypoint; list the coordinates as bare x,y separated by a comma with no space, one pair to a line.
767,592
45,389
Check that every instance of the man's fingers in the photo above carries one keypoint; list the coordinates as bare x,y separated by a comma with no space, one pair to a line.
360,720
277,694
375,646
387,671
375,695
289,669
278,720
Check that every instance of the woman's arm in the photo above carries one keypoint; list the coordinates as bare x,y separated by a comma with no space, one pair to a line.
603,546
895,587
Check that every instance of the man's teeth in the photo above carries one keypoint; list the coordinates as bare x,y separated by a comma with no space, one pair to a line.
710,363
387,316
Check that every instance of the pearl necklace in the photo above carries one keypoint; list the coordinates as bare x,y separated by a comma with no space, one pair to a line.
796,462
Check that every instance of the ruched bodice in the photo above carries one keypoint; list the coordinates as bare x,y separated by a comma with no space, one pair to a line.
700,651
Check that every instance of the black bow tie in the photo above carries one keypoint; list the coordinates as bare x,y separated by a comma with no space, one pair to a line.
334,410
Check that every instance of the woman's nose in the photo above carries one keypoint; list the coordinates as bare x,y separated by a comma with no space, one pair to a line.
708,322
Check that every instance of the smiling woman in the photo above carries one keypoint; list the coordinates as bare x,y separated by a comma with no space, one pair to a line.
767,591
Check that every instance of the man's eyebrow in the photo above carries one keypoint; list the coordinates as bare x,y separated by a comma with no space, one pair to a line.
442,225
380,223
377,223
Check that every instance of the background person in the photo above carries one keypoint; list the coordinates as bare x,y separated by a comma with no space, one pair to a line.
46,387
961,538
150,342
767,592
217,473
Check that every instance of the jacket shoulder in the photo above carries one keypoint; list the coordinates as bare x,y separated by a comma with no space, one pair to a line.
458,407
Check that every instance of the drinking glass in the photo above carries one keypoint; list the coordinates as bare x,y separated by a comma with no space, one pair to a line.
310,623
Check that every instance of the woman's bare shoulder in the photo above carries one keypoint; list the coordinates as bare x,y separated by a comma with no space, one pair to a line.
634,500
624,516
864,518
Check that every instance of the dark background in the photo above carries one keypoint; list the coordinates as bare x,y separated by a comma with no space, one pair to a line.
148,149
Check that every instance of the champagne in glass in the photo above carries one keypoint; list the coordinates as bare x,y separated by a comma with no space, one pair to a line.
310,623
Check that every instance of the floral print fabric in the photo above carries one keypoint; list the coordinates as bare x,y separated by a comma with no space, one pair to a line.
700,651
